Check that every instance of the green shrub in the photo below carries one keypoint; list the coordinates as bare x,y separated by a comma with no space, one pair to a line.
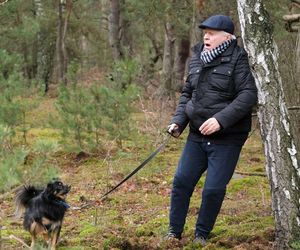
14,94
88,115
20,165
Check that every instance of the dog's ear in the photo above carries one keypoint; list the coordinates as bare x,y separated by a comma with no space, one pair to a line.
50,187
54,179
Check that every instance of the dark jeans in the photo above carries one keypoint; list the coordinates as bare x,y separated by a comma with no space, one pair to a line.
197,157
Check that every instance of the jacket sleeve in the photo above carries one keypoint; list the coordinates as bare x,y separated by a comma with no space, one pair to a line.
180,117
245,94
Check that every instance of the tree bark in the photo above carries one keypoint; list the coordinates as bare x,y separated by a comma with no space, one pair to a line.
61,53
168,58
181,54
39,56
198,8
298,55
282,164
114,29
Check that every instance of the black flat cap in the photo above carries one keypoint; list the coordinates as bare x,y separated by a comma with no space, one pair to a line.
218,22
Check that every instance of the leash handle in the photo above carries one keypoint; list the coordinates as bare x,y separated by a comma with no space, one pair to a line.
149,158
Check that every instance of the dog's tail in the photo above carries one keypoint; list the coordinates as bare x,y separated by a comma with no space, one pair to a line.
23,196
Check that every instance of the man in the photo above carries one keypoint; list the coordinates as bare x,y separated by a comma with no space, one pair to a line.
216,102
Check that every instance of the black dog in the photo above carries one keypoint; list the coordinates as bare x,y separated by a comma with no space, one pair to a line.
44,210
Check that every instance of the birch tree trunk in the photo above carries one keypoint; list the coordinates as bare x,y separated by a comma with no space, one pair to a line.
282,164
114,29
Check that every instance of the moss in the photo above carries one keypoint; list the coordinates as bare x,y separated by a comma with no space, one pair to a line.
295,245
143,231
242,184
88,229
241,227
116,242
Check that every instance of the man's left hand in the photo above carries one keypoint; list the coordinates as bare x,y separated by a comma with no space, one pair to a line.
210,126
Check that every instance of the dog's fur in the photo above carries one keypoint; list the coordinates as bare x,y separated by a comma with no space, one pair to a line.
44,210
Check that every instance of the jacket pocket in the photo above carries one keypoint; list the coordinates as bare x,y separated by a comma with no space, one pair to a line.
193,77
220,79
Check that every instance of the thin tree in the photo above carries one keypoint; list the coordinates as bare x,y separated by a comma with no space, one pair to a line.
61,53
114,29
282,164
168,56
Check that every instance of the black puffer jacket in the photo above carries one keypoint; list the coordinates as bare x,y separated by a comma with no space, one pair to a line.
224,89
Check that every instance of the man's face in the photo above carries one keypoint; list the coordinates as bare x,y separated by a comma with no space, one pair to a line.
213,38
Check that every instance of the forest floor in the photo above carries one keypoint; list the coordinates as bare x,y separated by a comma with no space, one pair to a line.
136,215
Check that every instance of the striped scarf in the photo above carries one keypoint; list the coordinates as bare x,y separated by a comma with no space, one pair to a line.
209,55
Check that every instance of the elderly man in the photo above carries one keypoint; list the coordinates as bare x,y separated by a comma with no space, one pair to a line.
216,102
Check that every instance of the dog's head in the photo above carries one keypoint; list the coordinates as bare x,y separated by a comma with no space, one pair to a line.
57,189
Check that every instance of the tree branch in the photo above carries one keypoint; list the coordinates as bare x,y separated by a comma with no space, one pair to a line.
12,237
2,3
291,18
296,1
251,174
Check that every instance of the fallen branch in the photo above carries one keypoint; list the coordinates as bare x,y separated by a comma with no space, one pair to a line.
12,237
251,174
291,18
82,206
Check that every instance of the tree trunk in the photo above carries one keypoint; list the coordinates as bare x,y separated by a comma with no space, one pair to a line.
125,34
198,8
168,58
69,7
281,153
61,53
298,55
39,57
114,29
181,54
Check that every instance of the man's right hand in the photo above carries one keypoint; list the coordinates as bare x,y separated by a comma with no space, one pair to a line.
173,129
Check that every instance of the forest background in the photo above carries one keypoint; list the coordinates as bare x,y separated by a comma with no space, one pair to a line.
87,90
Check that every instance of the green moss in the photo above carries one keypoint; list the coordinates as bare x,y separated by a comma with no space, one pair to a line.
242,184
295,245
143,231
88,229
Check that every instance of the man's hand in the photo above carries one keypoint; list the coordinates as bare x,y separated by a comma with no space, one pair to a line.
210,126
173,129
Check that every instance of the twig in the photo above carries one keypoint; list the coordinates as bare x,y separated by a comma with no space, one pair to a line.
262,195
294,108
4,2
0,238
82,206
251,174
12,237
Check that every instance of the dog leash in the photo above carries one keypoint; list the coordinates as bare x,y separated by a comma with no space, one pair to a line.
148,159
